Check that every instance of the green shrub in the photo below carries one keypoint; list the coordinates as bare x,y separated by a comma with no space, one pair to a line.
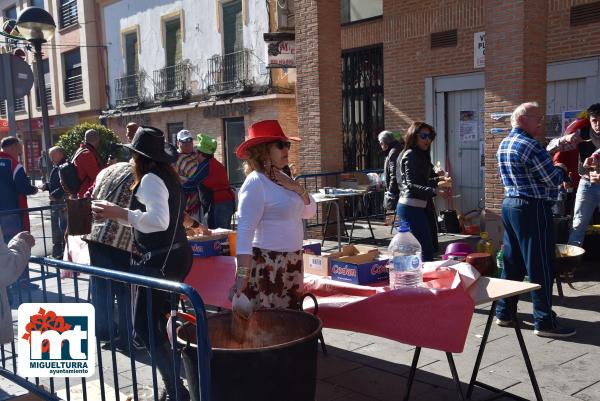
72,139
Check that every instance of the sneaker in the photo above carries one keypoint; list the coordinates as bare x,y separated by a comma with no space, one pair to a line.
556,332
504,323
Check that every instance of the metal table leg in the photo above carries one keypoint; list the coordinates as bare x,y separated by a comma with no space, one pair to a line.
413,370
473,382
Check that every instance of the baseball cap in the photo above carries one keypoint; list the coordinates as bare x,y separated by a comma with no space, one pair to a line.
184,136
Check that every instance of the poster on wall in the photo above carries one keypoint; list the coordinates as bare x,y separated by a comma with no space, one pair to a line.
553,125
479,50
468,126
568,117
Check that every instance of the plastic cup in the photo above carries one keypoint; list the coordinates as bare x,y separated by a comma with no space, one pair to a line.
232,238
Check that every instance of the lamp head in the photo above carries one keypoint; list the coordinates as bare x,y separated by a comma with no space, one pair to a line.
36,24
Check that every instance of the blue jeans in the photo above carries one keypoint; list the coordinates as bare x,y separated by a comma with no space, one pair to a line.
586,200
220,216
419,227
529,249
115,259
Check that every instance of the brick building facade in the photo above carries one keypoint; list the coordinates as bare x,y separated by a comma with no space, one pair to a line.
533,50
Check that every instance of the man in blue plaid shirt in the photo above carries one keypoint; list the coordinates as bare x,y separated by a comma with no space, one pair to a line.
530,183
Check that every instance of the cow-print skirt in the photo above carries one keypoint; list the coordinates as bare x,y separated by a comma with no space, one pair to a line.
276,279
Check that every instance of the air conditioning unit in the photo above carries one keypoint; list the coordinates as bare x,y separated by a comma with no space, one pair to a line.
285,15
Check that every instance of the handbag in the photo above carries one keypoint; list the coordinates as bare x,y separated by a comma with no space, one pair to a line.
79,216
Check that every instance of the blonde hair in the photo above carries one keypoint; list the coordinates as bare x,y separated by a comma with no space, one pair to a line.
258,156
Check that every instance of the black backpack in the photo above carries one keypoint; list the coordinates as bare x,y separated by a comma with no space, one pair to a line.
69,179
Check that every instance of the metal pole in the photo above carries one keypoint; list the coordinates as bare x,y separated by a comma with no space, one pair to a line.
30,145
10,93
46,138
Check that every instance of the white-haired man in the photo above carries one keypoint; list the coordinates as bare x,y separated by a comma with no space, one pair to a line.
530,183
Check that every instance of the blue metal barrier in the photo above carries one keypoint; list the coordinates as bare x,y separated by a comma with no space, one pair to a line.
57,292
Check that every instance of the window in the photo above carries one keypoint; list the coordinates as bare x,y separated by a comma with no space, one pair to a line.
47,81
20,104
73,79
172,130
3,108
356,10
37,3
131,53
11,13
68,13
173,42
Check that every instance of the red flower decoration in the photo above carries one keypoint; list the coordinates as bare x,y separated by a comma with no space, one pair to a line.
44,321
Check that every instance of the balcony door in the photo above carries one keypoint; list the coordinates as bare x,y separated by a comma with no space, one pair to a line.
234,136
173,52
233,41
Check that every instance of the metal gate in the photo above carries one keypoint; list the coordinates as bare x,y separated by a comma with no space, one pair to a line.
362,107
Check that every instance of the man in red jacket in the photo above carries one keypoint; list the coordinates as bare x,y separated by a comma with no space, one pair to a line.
87,161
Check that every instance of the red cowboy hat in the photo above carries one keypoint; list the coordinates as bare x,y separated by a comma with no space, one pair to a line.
262,132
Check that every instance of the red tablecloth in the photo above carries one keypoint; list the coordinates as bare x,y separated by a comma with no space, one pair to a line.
436,317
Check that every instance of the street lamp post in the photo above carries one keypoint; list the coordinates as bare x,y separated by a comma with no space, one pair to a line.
37,26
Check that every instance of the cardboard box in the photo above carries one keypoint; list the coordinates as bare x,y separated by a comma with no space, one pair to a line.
205,246
312,247
321,264
316,264
360,269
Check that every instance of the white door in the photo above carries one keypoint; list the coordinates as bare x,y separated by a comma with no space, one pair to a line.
459,147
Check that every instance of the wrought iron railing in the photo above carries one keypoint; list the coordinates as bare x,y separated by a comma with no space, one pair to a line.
73,88
172,83
68,14
128,90
229,73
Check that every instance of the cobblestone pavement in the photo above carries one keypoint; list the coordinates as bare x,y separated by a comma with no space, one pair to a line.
361,367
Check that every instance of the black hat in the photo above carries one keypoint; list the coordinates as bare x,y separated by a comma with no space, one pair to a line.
150,142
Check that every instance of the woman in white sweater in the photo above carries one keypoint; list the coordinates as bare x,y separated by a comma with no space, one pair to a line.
271,207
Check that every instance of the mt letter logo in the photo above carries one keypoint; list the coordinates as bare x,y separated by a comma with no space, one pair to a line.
56,340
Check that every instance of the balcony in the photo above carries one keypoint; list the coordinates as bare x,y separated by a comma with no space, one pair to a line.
73,88
229,73
172,84
68,14
129,90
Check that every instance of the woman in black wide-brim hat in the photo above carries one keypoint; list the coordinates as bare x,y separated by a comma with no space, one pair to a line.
156,215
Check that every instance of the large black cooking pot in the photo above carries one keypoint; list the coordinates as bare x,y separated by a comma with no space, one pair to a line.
276,361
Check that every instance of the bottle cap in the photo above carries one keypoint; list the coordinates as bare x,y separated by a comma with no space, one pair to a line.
403,226
484,235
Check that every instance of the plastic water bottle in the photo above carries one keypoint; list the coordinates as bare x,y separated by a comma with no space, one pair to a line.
405,253
500,261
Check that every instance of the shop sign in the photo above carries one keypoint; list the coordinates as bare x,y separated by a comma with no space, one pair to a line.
227,110
282,54
479,49
36,124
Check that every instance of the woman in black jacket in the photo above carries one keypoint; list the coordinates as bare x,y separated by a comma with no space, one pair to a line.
392,148
418,184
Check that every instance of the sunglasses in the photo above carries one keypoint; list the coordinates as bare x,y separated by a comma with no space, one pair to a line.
281,144
188,140
426,135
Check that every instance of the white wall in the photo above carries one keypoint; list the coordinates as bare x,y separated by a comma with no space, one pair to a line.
202,39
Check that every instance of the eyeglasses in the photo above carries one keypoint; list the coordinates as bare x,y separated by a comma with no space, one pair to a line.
188,140
537,118
427,135
281,144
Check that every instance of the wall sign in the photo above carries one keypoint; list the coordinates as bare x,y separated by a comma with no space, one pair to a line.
479,50
226,110
282,54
